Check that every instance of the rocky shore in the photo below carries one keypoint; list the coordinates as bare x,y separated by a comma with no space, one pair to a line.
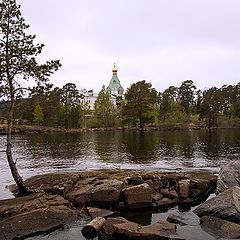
60,199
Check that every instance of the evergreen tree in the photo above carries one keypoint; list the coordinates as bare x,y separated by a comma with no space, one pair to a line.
211,106
38,114
70,95
167,103
52,108
18,62
140,99
186,94
104,109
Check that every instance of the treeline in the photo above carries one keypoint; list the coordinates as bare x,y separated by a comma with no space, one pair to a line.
141,105
215,106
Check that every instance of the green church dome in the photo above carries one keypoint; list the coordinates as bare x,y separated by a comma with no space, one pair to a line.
114,86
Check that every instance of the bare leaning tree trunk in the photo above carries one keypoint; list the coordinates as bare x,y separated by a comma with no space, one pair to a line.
22,188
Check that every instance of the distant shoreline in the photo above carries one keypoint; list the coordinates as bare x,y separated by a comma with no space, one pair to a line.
28,129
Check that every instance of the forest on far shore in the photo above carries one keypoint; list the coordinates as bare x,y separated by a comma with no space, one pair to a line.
141,106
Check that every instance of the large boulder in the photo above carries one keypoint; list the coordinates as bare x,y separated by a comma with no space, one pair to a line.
228,177
139,196
220,228
199,187
120,228
226,205
184,188
33,215
96,192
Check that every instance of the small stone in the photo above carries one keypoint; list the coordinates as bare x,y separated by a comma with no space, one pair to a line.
173,218
135,180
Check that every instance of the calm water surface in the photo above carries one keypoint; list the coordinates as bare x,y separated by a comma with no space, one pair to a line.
163,151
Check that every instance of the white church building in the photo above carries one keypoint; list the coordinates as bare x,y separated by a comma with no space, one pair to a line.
88,97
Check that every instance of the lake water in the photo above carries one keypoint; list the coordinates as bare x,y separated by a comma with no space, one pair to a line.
163,151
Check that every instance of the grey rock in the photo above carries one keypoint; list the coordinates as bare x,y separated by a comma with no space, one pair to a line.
220,228
226,205
228,177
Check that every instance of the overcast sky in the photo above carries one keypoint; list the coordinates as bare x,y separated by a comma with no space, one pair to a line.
164,42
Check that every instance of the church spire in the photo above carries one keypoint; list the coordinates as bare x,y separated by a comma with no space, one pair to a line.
114,70
114,87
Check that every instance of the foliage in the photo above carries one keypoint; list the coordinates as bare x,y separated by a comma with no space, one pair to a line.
186,93
104,109
17,64
140,99
70,95
38,114
208,105
220,101
168,103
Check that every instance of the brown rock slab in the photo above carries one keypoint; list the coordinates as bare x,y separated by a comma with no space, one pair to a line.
96,192
99,212
120,228
184,188
58,183
173,218
170,193
199,187
34,214
108,227
165,202
139,196
15,206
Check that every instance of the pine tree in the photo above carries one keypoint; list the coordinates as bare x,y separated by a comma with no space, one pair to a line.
18,64
140,99
104,109
38,114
